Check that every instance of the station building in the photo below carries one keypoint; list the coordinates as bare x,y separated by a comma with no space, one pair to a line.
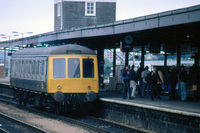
70,14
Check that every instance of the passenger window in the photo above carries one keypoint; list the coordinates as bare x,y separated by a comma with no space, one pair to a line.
42,67
37,67
88,68
30,69
26,66
33,67
59,68
74,68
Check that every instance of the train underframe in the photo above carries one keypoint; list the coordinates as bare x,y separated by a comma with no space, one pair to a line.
56,102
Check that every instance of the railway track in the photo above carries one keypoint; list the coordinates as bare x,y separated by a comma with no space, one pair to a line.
109,126
89,123
11,124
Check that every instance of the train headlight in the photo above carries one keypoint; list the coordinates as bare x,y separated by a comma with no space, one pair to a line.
59,87
89,87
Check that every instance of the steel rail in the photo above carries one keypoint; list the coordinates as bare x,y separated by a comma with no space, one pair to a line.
3,130
28,125
75,122
60,118
120,126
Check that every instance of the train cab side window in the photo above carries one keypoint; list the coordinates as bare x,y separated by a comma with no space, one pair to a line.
88,68
74,68
59,70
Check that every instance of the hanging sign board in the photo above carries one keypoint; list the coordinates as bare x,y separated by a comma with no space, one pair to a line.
194,50
185,48
154,48
126,45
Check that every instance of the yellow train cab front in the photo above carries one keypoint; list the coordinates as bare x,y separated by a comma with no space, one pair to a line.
72,74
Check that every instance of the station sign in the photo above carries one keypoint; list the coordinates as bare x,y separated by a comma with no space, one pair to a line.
154,48
9,54
126,48
185,48
170,48
194,49
126,45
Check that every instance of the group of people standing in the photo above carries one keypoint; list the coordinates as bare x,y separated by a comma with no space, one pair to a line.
129,77
151,83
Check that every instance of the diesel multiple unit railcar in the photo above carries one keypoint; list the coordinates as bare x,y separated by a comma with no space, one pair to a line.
61,77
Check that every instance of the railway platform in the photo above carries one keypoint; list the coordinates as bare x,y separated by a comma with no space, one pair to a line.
161,115
5,81
163,104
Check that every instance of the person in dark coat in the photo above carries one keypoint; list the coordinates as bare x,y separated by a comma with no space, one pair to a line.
126,87
172,79
183,80
155,80
139,72
194,80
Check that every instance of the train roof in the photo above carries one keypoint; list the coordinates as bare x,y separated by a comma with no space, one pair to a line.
56,50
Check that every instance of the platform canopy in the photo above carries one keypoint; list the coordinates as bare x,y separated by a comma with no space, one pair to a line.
170,27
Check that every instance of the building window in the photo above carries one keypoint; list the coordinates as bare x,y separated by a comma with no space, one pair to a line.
90,8
58,9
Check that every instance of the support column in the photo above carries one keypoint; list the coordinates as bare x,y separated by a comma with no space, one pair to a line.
196,60
165,59
114,60
198,86
142,57
101,64
126,58
133,58
178,55
197,64
4,63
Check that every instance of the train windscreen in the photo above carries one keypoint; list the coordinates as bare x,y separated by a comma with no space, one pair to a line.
74,68
88,68
59,68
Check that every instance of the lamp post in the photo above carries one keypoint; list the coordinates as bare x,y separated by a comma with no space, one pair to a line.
6,36
15,32
22,34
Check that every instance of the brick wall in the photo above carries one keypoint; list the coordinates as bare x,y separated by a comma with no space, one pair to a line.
74,15
149,119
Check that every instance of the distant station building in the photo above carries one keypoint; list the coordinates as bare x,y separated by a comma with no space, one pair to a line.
69,14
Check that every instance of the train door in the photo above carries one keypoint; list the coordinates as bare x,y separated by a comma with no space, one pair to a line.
90,74
56,76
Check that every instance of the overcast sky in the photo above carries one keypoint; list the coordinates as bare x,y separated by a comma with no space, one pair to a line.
37,16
